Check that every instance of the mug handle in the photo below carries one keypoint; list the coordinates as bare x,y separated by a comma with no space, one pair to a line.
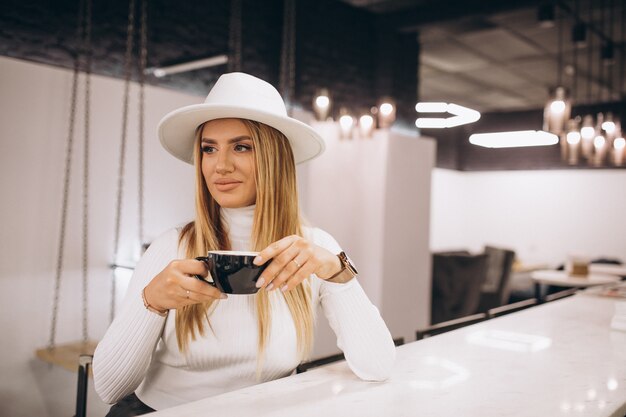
206,261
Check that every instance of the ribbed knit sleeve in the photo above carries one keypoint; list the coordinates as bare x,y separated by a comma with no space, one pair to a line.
361,333
123,355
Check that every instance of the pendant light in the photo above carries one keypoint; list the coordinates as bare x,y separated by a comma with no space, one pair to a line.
558,108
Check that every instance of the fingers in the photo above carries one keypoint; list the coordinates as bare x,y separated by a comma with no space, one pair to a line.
190,267
201,291
274,249
293,264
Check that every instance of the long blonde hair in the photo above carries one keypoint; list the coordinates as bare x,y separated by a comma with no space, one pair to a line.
276,216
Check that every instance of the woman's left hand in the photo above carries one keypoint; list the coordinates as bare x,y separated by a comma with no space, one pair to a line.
294,258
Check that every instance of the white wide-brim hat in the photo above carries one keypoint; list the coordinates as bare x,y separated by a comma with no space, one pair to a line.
241,96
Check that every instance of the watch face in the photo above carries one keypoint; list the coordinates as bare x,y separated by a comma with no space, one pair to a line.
349,264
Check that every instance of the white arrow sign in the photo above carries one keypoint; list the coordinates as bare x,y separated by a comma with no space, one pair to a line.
460,115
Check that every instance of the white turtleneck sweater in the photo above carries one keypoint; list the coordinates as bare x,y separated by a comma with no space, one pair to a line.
139,351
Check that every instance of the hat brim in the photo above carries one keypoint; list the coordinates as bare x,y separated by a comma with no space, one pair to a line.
177,129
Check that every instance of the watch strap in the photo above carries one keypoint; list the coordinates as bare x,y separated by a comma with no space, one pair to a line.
347,271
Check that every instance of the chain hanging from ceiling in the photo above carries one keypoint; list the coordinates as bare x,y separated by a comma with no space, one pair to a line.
287,81
83,35
235,34
128,70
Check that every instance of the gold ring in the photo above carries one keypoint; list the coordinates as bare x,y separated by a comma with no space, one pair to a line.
296,262
187,294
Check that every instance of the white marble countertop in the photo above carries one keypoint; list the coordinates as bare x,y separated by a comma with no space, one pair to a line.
557,359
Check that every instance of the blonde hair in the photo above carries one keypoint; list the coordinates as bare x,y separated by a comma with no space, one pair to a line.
276,216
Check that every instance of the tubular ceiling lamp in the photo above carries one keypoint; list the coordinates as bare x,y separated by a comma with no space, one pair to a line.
579,35
322,104
460,115
546,15
514,139
557,112
386,113
366,126
187,66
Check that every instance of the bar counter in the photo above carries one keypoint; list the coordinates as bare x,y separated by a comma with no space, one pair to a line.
557,359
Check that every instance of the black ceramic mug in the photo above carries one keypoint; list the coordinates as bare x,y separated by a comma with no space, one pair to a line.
233,272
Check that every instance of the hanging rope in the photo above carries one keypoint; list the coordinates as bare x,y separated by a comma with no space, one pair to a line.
80,35
287,81
85,263
234,39
122,160
143,58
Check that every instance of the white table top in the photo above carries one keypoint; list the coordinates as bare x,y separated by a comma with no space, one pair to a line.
562,278
619,270
559,358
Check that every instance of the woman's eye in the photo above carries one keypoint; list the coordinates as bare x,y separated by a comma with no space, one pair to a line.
242,148
208,149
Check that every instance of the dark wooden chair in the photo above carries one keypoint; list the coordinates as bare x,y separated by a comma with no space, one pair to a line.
457,279
305,366
496,288
512,308
449,325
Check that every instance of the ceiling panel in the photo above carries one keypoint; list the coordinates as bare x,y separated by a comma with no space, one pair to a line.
450,56
499,44
500,77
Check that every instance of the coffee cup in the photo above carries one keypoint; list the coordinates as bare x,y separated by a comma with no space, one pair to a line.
233,272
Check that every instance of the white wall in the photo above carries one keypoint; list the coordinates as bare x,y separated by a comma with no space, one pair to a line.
542,215
34,109
373,196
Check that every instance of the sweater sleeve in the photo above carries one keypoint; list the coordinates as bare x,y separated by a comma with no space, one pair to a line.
123,355
361,333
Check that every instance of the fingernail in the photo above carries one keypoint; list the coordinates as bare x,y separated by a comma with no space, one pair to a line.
223,296
269,287
260,282
284,288
257,260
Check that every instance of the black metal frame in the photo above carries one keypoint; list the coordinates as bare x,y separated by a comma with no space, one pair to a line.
449,325
512,308
84,365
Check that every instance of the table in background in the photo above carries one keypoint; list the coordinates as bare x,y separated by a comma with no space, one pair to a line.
559,358
619,270
564,279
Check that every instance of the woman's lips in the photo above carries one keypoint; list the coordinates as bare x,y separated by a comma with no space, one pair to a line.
226,185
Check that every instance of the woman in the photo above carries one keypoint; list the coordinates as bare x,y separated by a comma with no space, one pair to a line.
177,339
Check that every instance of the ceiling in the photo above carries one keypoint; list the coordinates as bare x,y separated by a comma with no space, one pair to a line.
496,56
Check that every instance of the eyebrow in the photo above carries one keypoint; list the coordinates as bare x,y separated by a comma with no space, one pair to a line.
233,140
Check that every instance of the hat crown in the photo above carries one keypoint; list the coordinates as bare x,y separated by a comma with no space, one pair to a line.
241,90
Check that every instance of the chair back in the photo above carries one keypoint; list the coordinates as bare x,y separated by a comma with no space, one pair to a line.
496,288
456,284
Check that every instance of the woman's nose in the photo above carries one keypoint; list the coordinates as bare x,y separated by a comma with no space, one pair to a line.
224,164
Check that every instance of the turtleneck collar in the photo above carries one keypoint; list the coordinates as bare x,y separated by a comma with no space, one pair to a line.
239,225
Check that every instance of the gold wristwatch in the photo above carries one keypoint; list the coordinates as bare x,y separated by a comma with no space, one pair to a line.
347,272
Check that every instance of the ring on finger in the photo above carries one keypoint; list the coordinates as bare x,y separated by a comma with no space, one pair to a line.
296,262
188,294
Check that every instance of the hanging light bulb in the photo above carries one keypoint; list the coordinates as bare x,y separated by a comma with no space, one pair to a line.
322,104
587,133
619,143
386,113
346,123
609,125
557,112
366,126
573,142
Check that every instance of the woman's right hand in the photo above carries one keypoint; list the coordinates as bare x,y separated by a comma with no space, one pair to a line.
175,286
